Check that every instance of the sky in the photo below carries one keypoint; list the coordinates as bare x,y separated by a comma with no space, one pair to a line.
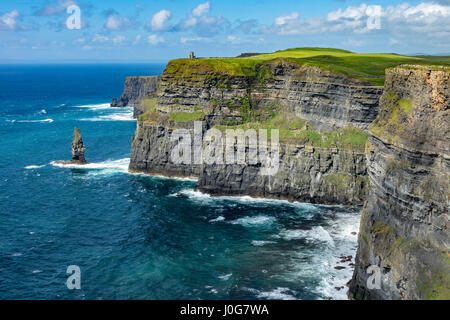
44,31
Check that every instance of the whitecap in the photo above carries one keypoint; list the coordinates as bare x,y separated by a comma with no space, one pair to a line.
260,243
34,167
254,221
95,106
315,234
17,254
31,121
36,271
43,111
219,218
108,167
276,294
225,277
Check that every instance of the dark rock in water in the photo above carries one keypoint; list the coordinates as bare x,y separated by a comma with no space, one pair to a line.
78,148
339,267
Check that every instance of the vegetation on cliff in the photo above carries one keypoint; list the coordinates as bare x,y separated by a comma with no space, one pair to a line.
368,67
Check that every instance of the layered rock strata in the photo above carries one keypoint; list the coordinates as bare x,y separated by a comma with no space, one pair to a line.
404,235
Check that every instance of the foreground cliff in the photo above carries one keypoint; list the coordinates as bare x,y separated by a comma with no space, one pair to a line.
404,229
135,90
321,115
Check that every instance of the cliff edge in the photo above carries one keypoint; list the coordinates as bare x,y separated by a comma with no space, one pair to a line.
404,231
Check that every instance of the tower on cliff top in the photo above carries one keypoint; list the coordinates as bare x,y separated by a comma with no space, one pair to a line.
191,55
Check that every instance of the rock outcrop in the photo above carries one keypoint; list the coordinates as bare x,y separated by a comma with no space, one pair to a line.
78,148
405,224
135,90
322,147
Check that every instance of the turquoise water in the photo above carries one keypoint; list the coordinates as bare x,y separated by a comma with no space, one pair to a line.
135,236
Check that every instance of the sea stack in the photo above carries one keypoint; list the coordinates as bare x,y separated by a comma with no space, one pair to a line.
78,148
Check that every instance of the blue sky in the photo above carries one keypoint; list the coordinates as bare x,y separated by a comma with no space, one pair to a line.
156,30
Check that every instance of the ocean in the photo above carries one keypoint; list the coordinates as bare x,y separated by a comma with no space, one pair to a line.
134,236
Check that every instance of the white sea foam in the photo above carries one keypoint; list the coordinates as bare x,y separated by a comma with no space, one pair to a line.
254,221
103,168
276,294
315,234
43,111
34,167
200,196
219,218
95,106
260,243
31,121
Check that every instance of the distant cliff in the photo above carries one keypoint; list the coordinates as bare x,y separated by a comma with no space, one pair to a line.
405,222
135,89
322,117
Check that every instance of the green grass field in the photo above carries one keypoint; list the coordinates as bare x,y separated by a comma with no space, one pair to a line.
370,67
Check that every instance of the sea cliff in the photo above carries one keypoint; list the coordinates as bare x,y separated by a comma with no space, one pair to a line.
404,229
135,89
322,117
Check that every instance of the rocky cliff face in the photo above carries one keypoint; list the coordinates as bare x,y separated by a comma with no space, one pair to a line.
405,223
319,161
135,89
326,99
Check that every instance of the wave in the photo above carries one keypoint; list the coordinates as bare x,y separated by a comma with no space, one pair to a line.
254,221
128,116
260,243
108,167
34,167
225,277
201,196
219,218
30,121
276,294
95,106
315,234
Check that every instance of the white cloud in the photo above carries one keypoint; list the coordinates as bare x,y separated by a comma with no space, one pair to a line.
80,40
185,40
137,40
114,22
100,39
154,39
285,19
8,20
53,8
119,39
158,22
201,9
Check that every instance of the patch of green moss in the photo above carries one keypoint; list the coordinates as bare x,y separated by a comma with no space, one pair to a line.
381,228
148,104
296,130
186,116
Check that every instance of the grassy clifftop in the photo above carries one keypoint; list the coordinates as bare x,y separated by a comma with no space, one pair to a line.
369,67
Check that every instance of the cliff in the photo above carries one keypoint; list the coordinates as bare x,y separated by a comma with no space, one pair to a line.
322,116
405,223
137,89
